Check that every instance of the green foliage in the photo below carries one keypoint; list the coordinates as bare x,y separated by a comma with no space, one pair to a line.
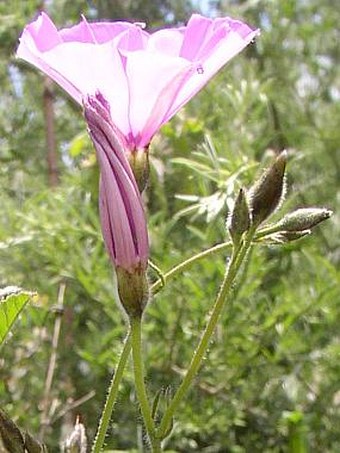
270,382
12,301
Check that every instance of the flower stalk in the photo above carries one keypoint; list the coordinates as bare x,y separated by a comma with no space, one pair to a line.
136,323
181,267
238,255
111,397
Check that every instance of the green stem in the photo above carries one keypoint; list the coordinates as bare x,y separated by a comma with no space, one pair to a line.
225,290
149,423
111,397
187,263
269,229
113,390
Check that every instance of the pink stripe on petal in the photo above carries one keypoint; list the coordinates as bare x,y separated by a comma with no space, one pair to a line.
197,31
105,222
117,232
100,123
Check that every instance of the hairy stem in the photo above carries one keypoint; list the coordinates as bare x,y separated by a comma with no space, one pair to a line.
140,385
224,292
186,264
111,397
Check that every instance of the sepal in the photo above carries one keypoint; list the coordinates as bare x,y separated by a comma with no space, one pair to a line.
139,162
133,290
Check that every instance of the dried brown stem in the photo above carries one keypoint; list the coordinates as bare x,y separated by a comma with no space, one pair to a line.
69,407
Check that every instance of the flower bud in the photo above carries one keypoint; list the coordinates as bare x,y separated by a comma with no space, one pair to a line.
266,194
133,290
304,219
120,203
239,219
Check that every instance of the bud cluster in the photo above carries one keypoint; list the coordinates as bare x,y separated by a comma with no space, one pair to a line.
263,199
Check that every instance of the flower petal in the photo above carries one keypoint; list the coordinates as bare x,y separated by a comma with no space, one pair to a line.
197,31
215,51
95,33
154,80
168,41
146,78
41,34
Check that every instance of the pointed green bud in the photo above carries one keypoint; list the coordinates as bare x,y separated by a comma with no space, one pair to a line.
77,441
238,220
304,219
139,162
133,290
267,193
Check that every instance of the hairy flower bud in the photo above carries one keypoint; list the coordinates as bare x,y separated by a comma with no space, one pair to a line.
267,193
304,219
239,219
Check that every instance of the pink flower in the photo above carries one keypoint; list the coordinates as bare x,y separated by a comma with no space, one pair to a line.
146,78
121,209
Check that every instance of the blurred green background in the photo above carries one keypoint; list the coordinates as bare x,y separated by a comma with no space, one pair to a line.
270,382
